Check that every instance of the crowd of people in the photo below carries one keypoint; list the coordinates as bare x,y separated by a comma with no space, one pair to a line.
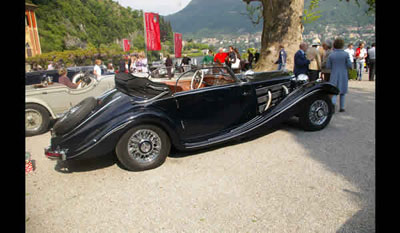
132,63
231,58
331,63
328,61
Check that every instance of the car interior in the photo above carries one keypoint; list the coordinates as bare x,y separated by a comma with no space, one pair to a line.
198,78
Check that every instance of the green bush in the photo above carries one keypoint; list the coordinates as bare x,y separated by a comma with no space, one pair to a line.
79,57
352,74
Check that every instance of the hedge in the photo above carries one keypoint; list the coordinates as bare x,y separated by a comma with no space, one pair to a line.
79,57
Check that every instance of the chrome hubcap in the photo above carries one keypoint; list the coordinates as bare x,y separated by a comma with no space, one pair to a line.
144,145
318,112
33,119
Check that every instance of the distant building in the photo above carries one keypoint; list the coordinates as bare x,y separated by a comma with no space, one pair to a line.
32,43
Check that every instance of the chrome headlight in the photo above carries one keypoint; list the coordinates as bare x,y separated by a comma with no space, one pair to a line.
302,77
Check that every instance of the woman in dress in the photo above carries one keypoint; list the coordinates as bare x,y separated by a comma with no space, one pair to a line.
339,63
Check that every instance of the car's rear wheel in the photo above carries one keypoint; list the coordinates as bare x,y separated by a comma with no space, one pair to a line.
74,116
317,113
143,147
37,119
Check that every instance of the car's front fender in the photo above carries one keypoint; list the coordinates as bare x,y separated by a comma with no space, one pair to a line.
33,100
294,100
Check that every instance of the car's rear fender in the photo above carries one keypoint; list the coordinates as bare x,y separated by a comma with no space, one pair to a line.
157,118
106,136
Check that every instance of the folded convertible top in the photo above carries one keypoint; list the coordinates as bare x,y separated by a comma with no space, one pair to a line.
137,86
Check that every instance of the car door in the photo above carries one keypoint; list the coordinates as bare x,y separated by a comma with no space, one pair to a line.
213,111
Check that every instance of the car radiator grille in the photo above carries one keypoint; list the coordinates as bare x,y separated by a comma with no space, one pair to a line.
275,92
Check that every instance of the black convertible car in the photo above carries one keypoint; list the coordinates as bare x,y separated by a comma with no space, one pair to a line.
143,117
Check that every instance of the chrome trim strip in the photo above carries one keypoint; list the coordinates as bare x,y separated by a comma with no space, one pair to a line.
107,93
248,130
269,100
154,98
286,89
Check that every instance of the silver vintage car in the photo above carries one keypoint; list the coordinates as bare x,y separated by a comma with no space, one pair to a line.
45,103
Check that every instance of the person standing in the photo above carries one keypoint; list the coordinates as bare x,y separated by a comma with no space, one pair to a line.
97,69
282,58
315,61
350,51
110,68
50,66
256,56
185,62
360,55
220,56
231,57
143,62
326,73
168,65
208,59
250,59
339,63
371,54
124,65
300,60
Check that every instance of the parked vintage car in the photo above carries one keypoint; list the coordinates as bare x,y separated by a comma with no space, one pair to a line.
36,77
142,119
44,103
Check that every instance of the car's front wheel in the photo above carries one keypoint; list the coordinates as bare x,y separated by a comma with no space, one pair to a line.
317,113
143,147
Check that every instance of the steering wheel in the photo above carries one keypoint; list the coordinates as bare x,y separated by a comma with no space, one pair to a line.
84,81
197,79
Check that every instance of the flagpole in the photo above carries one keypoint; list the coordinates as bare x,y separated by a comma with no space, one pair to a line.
145,37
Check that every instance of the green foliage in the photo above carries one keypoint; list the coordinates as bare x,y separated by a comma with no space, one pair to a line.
80,24
254,13
352,74
310,13
79,57
370,3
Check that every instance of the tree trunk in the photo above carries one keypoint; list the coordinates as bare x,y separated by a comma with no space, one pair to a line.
282,25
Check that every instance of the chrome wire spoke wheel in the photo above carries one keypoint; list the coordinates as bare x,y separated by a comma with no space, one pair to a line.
144,145
33,119
318,113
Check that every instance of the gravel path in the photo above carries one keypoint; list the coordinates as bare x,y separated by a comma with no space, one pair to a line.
280,180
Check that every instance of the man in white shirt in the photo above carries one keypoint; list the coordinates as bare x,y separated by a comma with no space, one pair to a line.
350,51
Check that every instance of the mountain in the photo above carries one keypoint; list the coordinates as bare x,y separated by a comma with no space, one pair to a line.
205,17
202,18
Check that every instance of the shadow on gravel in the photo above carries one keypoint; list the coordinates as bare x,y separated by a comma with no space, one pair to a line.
260,132
85,165
110,159
348,149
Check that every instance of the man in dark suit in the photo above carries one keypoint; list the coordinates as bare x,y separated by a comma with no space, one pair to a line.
300,61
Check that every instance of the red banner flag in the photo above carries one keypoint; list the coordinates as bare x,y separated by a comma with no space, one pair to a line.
127,45
152,24
178,44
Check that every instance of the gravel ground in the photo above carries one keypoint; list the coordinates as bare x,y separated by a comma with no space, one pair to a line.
278,180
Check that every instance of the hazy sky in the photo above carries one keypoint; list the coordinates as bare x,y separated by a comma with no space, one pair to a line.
163,7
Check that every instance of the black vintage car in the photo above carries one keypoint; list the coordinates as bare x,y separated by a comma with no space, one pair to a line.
142,118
